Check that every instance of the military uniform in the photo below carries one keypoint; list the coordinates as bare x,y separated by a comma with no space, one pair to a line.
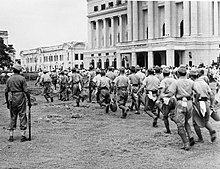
104,87
46,81
151,84
75,81
63,80
92,74
168,104
15,92
135,82
122,82
182,88
203,105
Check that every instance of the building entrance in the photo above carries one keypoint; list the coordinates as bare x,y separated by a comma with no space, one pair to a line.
142,60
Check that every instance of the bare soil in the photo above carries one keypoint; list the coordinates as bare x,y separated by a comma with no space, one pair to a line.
65,136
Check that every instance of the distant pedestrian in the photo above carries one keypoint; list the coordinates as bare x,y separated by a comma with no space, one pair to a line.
46,82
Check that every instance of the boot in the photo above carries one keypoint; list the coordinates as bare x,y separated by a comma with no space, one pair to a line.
107,109
11,139
213,135
166,123
155,123
182,134
46,99
198,133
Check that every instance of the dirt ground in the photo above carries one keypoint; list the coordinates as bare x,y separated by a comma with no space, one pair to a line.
65,136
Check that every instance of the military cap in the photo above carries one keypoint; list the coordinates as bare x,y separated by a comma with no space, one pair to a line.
182,69
17,67
150,70
193,72
166,70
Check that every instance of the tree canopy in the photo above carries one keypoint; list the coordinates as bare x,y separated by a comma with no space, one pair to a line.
5,59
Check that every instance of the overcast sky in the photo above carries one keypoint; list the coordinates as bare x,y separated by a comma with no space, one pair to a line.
37,23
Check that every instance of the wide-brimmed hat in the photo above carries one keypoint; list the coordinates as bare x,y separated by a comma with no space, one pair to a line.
17,67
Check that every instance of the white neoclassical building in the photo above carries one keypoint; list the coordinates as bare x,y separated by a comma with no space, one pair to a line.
148,33
64,56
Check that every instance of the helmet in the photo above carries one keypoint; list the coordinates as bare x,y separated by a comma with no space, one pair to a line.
113,105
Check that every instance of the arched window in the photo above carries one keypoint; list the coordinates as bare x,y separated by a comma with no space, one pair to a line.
106,63
181,29
92,63
163,30
99,64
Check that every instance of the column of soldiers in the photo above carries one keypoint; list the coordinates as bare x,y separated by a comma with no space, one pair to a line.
179,94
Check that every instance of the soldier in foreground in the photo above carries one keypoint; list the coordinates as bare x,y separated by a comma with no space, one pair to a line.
15,92
121,84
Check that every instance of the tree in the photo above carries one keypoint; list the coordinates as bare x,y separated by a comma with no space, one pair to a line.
5,59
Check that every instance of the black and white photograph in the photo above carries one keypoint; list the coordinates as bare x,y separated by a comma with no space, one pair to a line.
109,84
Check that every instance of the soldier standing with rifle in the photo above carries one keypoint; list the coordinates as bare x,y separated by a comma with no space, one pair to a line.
15,92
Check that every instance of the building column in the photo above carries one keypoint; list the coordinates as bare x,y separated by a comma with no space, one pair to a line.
167,18
194,18
129,17
121,27
113,31
133,59
97,34
170,57
186,19
90,35
150,20
135,20
104,33
118,58
150,59
216,18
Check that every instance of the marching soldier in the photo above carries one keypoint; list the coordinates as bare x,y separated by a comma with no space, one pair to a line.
151,83
182,89
75,82
92,74
121,84
15,92
168,104
63,80
104,85
54,78
135,82
203,103
46,82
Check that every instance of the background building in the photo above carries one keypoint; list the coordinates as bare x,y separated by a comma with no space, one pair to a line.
148,33
65,56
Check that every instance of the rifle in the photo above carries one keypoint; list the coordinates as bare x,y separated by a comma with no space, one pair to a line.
29,123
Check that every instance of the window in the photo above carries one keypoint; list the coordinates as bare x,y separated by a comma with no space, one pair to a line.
109,23
107,54
163,31
92,55
76,66
99,54
118,2
81,56
110,4
76,57
102,6
68,56
61,57
94,25
96,8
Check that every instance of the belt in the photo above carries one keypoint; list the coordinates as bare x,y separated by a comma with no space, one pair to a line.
136,85
188,98
153,91
203,99
102,88
16,91
122,88
75,83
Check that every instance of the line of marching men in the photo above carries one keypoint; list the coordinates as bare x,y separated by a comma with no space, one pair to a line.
178,95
